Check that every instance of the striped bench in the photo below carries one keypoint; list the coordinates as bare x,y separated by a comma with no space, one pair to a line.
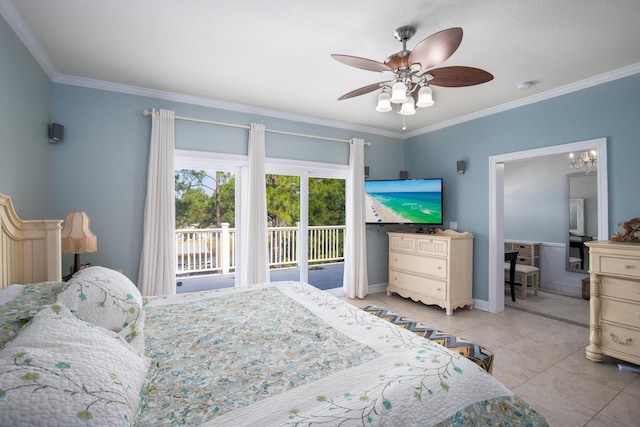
472,351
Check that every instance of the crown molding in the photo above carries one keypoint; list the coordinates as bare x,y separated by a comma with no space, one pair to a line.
241,108
553,93
17,24
214,103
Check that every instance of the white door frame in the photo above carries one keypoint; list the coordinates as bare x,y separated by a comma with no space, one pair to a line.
305,170
237,164
496,206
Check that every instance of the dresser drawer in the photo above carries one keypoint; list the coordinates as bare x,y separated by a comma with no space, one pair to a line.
420,285
621,312
432,247
620,266
621,339
620,288
404,244
430,266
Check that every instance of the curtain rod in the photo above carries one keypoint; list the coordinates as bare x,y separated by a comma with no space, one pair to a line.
209,122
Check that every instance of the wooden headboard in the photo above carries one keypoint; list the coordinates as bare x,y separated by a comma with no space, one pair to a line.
30,251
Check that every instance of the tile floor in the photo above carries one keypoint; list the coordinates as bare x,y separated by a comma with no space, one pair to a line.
540,357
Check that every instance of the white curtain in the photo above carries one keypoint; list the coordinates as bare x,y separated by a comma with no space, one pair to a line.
356,282
253,265
157,274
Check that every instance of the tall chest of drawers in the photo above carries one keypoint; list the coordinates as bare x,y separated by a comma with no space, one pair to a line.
614,301
432,268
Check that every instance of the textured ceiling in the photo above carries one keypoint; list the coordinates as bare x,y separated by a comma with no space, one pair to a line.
275,55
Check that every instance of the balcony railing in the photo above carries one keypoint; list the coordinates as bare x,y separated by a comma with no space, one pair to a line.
212,250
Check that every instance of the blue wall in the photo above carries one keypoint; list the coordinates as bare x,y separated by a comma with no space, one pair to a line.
101,167
609,110
25,105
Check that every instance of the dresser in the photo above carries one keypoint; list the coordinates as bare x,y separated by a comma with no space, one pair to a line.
432,268
614,301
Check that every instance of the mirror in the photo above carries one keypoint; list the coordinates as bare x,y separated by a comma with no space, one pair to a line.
576,217
583,219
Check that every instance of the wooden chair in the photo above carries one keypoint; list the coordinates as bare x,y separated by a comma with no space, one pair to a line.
575,263
528,274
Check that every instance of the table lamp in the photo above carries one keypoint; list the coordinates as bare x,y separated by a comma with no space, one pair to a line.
77,237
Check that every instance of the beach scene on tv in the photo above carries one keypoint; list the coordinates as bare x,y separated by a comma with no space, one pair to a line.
404,201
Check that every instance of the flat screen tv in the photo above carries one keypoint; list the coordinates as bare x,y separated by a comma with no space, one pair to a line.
404,201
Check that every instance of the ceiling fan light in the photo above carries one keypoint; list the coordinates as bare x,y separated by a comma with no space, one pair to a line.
408,108
425,97
384,102
398,93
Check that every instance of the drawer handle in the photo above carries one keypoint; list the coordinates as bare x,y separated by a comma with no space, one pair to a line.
439,289
615,339
627,266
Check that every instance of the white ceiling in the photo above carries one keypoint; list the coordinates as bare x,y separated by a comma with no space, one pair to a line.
274,56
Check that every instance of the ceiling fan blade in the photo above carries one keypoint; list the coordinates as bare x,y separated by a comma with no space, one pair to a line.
363,63
436,48
457,76
362,90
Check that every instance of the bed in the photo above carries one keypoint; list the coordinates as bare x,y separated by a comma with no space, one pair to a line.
92,351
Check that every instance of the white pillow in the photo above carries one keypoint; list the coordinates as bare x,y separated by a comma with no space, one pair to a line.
62,371
105,298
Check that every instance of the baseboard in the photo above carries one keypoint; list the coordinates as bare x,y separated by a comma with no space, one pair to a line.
479,304
339,292
378,287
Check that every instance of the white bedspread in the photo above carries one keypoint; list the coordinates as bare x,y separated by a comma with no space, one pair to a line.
288,354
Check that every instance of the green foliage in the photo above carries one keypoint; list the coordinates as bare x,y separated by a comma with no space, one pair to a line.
205,199
326,201
283,200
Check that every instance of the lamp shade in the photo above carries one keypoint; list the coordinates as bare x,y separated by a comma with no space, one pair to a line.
384,102
398,92
408,108
76,235
425,97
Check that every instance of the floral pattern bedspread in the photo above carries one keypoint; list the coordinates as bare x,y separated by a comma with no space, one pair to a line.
286,353
15,314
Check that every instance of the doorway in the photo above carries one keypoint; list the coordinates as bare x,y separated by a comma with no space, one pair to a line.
496,207
306,211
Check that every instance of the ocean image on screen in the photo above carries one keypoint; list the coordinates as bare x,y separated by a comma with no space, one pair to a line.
407,201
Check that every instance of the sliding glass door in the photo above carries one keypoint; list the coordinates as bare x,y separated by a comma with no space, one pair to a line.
327,219
305,220
306,224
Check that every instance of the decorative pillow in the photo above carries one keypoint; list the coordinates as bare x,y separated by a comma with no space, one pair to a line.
105,298
62,371
15,313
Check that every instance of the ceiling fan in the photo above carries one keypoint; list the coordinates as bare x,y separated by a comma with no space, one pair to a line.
413,71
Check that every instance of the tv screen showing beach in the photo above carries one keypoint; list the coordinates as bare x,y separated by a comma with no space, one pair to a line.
411,201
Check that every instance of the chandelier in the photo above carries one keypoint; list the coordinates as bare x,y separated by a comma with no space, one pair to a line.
586,162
